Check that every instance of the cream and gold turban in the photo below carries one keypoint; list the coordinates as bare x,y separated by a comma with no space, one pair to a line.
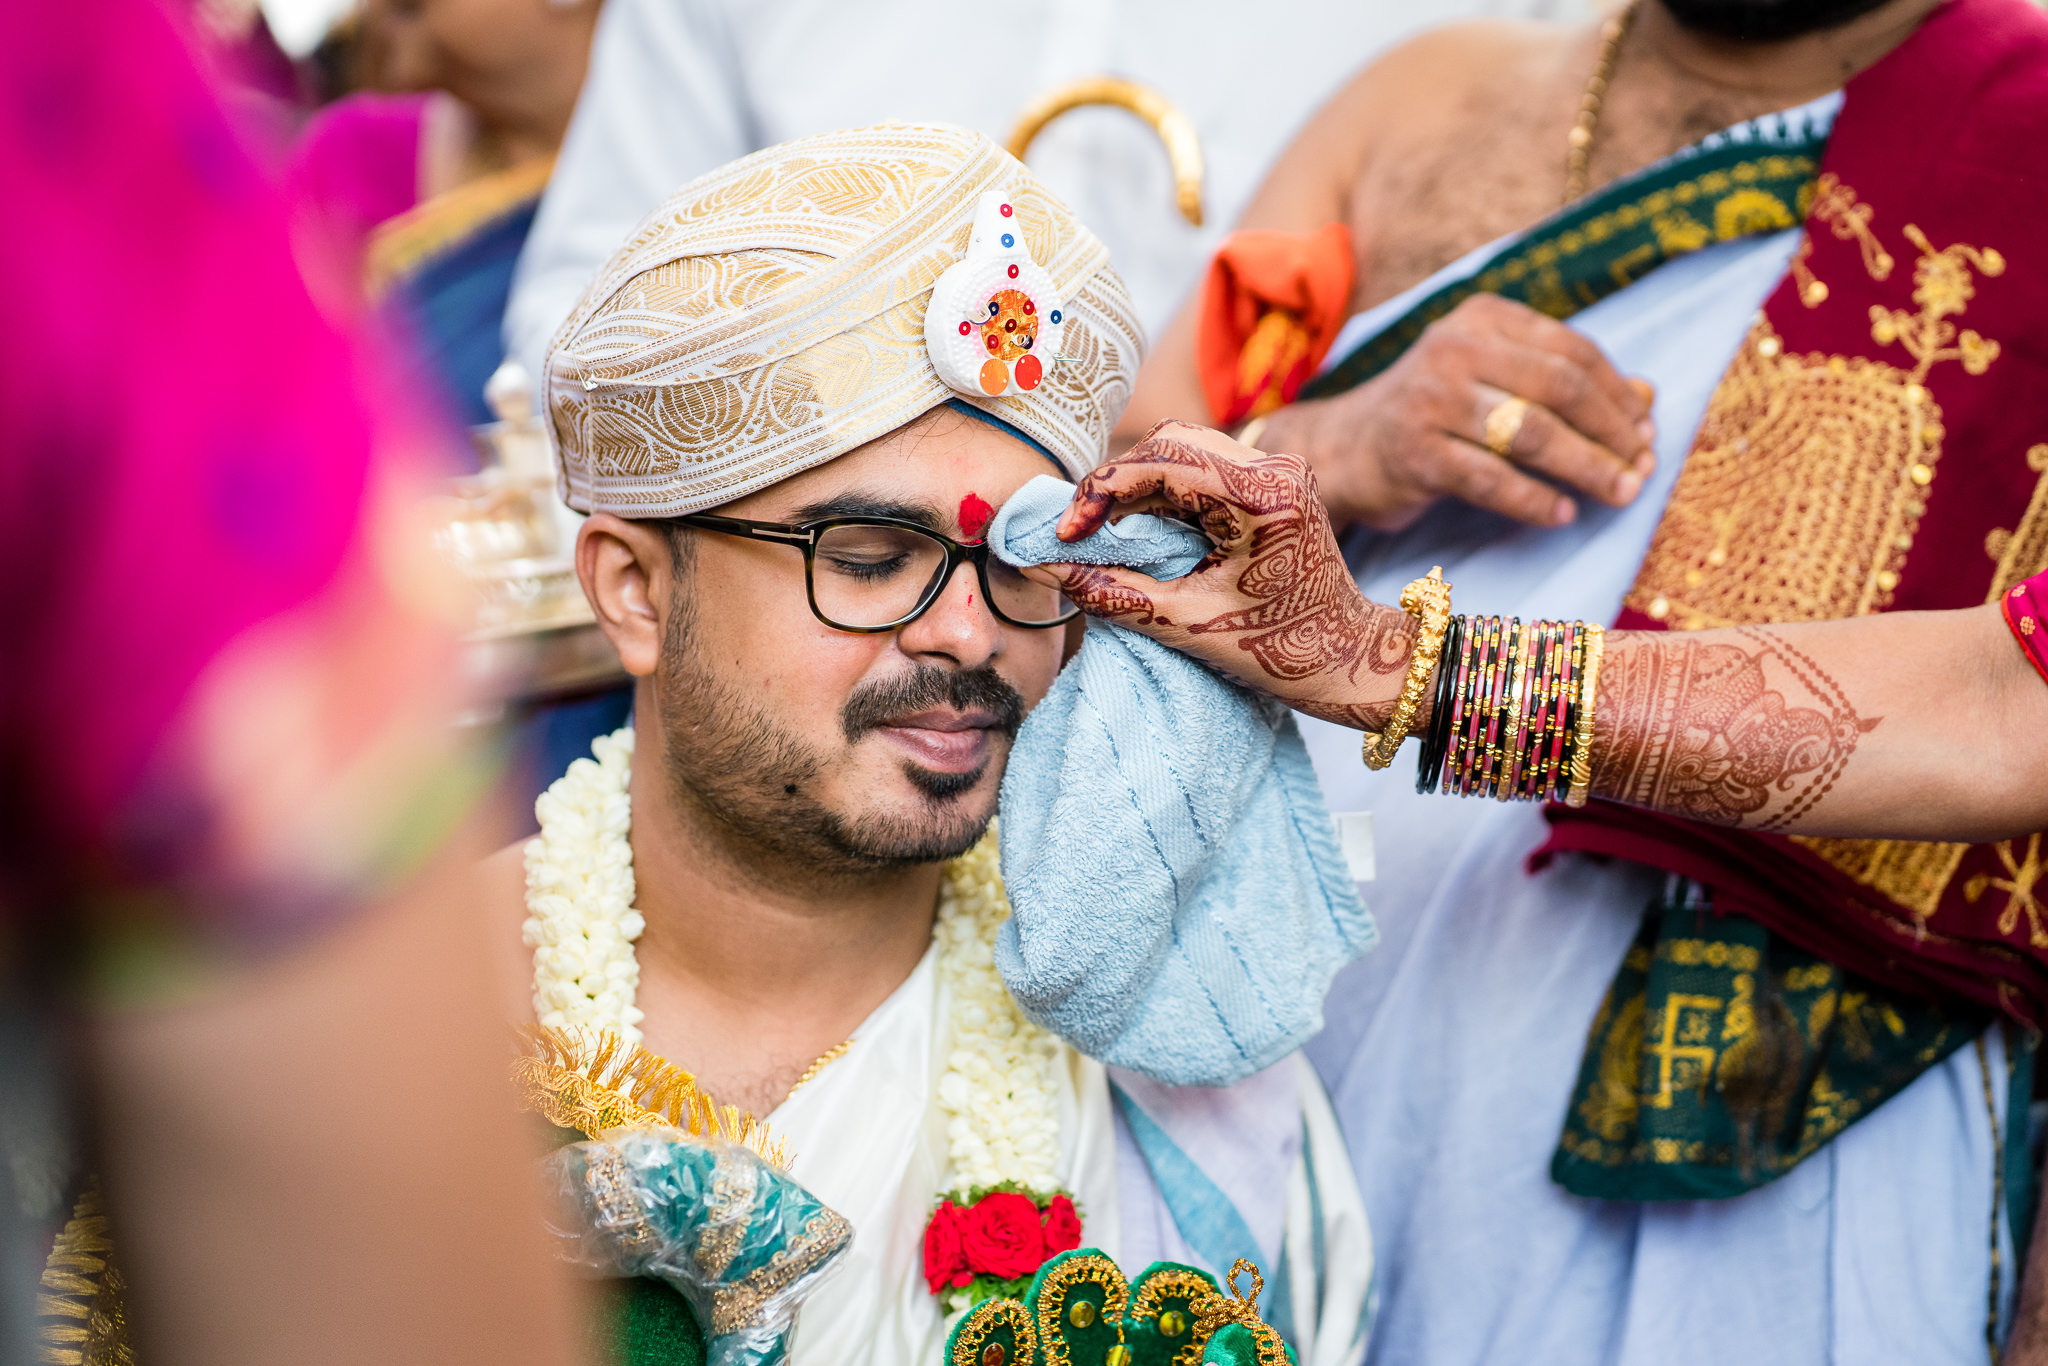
771,316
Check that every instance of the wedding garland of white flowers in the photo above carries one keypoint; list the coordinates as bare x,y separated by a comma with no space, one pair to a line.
998,1088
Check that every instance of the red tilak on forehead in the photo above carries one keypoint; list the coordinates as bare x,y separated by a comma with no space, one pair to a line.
975,514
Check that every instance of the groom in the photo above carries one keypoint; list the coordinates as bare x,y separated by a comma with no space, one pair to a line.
792,896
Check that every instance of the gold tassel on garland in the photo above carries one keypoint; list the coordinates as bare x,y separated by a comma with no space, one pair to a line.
593,1085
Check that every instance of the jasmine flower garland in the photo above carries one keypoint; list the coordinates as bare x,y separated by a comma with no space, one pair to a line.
998,1086
1004,1213
580,920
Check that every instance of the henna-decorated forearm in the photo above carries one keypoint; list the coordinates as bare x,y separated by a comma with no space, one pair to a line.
1291,605
1748,726
1741,728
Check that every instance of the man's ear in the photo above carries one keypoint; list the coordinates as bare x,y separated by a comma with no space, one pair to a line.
628,574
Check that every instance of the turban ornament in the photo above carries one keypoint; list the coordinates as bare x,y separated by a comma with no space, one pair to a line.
1009,318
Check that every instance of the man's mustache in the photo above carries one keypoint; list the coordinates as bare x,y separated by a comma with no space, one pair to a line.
873,705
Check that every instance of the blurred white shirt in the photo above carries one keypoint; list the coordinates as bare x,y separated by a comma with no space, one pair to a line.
678,87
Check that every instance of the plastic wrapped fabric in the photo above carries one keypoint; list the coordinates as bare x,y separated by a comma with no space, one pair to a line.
739,1240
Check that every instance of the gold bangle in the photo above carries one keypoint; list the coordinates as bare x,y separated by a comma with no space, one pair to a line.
1428,600
1517,730
1582,743
1250,432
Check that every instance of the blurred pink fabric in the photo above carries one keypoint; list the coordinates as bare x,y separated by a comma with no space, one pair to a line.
357,164
2026,615
187,440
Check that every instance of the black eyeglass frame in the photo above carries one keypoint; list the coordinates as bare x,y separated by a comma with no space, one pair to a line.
804,536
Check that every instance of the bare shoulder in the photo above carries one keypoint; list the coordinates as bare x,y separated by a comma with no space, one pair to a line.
1438,70
499,884
1413,95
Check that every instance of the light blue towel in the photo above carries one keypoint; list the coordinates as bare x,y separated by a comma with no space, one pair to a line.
1180,902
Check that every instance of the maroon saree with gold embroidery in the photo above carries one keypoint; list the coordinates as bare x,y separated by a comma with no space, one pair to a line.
1880,443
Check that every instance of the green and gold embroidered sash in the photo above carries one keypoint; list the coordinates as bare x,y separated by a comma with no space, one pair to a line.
1748,182
1723,1056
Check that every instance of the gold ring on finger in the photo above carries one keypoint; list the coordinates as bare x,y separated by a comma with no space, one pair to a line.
1504,424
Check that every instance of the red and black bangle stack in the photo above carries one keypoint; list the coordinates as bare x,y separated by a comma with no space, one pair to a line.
1505,723
1437,742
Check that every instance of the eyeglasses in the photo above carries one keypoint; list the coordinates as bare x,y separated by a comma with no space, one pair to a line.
873,574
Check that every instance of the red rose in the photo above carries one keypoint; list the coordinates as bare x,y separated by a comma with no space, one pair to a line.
945,1259
1002,1238
1062,1226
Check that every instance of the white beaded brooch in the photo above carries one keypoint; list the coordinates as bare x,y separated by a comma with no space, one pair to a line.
993,326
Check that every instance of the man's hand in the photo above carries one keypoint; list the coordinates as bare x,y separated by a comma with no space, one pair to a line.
1387,450
1273,606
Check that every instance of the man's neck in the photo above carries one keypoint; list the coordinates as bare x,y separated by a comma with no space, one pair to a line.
1778,74
751,969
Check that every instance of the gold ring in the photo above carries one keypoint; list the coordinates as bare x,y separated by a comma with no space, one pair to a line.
1504,424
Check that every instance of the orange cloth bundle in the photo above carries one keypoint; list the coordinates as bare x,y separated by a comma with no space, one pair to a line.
1273,303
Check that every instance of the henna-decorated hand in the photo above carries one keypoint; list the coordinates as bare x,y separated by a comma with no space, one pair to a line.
1387,450
1273,606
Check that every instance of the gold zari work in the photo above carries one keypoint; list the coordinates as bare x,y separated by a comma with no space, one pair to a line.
1155,1289
2023,872
1806,485
1054,1313
1808,478
1214,1310
1075,1308
770,316
2021,552
594,1086
737,1307
1731,196
84,1301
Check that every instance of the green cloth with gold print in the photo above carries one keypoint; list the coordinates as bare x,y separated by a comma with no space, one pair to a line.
1723,1056
1724,188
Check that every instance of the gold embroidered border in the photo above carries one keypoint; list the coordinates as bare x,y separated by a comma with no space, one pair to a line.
1667,212
1188,1285
1914,874
1801,497
983,1322
741,1305
1057,1285
400,245
733,1183
618,1208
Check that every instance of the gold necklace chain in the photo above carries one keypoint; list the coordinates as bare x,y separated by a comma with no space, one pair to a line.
826,1058
1579,156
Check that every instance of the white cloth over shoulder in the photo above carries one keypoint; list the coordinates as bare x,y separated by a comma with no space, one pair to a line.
678,87
1452,1051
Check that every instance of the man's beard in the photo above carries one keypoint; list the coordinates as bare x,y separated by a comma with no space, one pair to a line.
732,761
1765,20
